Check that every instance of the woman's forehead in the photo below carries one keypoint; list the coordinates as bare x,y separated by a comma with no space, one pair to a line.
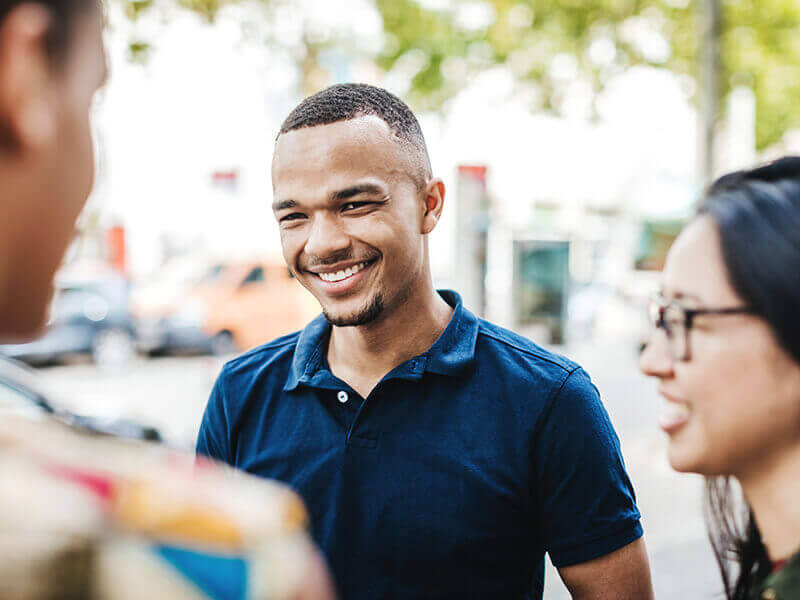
695,267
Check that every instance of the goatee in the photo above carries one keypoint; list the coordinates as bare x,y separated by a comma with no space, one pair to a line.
367,314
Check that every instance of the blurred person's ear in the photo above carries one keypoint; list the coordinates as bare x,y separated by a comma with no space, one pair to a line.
27,101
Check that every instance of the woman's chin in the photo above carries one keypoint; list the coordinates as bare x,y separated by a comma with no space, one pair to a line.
683,459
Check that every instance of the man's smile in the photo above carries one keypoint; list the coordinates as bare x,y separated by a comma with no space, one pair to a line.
332,276
342,278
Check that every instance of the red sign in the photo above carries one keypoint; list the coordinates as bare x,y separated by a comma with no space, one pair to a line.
473,171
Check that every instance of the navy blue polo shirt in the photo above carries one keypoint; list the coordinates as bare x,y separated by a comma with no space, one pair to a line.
462,467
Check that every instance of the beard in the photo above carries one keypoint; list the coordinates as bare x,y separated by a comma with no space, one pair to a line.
366,314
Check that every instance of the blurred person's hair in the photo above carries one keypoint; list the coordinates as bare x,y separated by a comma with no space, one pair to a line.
345,101
757,214
63,13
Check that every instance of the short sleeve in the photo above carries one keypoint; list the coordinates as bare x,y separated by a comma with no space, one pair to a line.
587,506
212,440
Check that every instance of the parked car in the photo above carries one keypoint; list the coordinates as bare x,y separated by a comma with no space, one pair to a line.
87,317
20,394
232,306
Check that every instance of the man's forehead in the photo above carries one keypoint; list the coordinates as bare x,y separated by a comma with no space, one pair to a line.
359,129
366,143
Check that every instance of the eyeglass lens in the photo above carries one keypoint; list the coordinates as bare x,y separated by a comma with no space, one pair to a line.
672,319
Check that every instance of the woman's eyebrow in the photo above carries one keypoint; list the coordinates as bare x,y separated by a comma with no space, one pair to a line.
679,295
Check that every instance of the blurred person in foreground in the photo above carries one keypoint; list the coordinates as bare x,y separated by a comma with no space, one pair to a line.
440,456
52,61
63,533
727,354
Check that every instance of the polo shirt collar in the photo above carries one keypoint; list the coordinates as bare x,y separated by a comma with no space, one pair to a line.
308,353
452,353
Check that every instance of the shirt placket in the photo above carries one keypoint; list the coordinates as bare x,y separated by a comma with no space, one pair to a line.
411,370
350,407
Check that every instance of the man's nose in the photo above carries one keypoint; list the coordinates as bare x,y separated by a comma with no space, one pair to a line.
656,359
327,238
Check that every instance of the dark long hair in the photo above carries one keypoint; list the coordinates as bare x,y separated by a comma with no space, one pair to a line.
757,213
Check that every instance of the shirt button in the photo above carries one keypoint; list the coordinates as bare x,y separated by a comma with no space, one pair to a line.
342,396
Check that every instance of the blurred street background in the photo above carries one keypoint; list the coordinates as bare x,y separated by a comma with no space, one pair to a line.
575,139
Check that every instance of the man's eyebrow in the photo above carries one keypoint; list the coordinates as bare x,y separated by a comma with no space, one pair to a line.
283,204
357,190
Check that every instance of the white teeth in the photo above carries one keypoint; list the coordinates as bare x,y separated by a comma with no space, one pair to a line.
674,413
339,275
678,411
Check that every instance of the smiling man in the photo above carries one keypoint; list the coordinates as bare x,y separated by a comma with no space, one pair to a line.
440,456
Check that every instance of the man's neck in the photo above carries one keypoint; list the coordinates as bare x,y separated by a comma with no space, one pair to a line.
362,355
772,490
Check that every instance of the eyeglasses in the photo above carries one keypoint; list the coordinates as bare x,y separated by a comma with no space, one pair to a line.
677,321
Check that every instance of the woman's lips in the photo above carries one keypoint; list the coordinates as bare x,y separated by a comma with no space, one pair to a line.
674,415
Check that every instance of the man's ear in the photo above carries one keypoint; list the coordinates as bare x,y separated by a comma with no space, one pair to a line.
27,107
434,202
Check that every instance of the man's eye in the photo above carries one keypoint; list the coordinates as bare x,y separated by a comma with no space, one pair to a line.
292,217
354,205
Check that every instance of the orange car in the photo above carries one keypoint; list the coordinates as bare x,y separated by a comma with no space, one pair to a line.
232,306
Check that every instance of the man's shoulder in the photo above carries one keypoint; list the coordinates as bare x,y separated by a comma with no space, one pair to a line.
241,384
501,341
274,355
534,379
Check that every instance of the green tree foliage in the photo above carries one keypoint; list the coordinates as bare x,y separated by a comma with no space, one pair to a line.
761,49
592,40
597,39
550,45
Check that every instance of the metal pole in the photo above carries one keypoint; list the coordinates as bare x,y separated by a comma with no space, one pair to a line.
709,73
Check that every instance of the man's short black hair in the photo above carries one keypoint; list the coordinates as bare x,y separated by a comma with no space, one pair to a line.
345,101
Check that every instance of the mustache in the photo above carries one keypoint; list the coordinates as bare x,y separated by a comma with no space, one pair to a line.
313,262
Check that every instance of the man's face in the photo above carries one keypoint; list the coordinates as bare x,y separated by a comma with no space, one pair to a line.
351,217
51,160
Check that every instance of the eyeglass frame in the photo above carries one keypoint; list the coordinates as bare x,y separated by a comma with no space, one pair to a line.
657,301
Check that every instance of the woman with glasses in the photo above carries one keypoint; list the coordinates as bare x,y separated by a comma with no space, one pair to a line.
726,350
